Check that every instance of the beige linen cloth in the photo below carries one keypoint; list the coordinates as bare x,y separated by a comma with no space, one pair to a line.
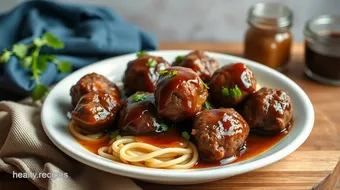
25,148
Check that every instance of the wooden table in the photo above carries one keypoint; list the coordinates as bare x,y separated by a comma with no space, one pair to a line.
304,168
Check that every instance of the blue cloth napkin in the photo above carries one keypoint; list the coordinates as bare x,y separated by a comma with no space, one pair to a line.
89,34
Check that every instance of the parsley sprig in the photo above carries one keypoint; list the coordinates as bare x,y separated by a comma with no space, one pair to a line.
36,62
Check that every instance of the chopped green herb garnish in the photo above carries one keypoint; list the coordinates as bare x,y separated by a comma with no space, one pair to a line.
233,92
173,73
170,74
205,86
163,72
141,54
114,134
179,58
164,127
225,91
207,105
138,97
185,135
151,63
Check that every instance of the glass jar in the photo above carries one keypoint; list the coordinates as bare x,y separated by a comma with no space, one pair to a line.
322,49
268,39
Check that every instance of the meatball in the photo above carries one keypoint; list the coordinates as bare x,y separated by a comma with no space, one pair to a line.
92,83
141,74
198,61
219,133
231,84
180,94
96,111
139,116
269,110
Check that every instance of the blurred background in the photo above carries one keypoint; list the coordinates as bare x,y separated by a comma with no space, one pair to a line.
200,20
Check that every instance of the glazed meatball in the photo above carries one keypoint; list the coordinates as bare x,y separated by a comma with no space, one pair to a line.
96,111
269,110
219,133
92,83
231,84
141,74
198,61
180,94
139,116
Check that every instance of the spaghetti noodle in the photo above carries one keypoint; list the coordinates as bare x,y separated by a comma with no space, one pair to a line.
127,150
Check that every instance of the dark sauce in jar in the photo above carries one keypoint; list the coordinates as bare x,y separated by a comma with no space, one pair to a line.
322,49
322,63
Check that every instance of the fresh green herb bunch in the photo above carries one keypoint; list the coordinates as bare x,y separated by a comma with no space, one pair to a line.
36,62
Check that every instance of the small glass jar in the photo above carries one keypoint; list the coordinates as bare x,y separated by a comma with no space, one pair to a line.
322,49
268,39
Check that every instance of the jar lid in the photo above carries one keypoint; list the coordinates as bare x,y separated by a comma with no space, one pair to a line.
270,14
324,29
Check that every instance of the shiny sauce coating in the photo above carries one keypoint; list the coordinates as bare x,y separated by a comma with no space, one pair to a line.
219,133
139,117
231,76
96,110
179,89
142,74
242,77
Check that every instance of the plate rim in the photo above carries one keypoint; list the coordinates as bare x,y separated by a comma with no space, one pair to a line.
200,174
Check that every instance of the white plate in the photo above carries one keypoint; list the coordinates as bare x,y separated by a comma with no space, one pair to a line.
58,103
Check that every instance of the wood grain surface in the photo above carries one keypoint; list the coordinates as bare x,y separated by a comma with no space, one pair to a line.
301,170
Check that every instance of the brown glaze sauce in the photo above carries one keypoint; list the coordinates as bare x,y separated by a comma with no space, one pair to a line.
255,145
170,139
140,117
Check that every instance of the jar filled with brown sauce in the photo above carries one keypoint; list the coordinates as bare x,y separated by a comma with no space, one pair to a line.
268,39
322,49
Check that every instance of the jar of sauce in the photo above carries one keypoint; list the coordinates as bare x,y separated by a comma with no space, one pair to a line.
322,49
268,39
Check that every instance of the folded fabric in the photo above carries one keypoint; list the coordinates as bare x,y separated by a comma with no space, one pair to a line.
26,151
89,33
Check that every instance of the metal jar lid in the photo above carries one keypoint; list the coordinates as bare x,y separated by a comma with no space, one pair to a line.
270,15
